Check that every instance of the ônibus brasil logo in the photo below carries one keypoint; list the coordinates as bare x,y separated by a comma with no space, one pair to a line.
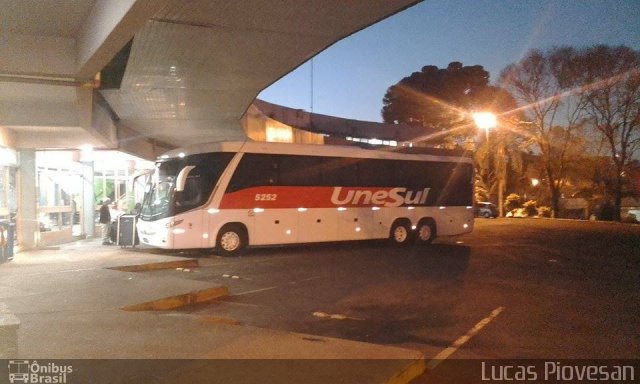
394,197
30,372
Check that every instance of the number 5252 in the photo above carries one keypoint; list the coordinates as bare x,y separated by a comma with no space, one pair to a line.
266,197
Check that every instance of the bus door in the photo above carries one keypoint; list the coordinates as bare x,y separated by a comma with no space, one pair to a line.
190,226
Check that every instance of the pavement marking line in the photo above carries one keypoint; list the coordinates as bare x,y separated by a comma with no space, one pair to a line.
242,304
307,279
254,291
410,372
444,354
336,316
263,289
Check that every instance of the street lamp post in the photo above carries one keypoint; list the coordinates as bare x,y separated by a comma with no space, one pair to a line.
487,121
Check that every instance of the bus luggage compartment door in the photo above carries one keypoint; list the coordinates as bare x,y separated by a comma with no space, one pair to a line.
356,224
274,226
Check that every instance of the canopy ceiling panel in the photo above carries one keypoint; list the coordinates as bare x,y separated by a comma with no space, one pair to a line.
196,66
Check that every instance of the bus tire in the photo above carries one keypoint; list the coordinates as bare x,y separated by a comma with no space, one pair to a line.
231,239
425,231
401,233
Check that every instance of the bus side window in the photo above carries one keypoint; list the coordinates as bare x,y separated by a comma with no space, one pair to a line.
302,171
456,192
411,174
255,170
375,173
338,172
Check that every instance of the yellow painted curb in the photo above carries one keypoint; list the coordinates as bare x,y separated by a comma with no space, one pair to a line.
410,372
187,263
179,301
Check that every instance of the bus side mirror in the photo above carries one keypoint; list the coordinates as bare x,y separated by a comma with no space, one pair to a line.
182,177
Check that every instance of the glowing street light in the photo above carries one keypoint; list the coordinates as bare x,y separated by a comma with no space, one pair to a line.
485,120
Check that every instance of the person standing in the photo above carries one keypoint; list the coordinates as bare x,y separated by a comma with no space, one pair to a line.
105,221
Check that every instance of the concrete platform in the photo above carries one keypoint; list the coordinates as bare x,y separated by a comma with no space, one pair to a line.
69,305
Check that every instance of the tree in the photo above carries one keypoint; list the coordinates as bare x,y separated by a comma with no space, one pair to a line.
104,190
500,153
439,99
608,78
535,81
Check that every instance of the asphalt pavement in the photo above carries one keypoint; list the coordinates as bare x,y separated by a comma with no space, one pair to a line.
513,289
567,289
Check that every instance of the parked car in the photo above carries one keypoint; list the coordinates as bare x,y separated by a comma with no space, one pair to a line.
486,210
633,215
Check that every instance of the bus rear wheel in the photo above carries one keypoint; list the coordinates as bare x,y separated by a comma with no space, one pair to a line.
231,240
425,232
401,233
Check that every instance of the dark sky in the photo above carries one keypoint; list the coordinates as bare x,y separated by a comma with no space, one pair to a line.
351,77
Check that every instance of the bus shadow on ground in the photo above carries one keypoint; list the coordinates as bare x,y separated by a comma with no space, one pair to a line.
441,260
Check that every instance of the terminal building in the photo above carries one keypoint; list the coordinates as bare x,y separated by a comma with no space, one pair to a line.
68,185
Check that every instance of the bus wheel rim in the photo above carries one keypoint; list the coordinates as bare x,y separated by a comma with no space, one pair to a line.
424,233
230,241
400,234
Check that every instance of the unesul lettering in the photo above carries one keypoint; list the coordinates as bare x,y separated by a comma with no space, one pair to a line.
394,197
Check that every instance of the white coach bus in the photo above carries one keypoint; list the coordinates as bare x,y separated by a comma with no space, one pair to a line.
230,195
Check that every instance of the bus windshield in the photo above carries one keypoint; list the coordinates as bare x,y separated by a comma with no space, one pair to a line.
161,198
157,199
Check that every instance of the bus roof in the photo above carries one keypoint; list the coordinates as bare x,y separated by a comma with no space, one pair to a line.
394,153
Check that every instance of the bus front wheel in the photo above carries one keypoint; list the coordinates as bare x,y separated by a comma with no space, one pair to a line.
231,240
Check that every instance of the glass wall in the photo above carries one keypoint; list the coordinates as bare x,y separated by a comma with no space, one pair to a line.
59,191
8,188
114,179
8,194
59,186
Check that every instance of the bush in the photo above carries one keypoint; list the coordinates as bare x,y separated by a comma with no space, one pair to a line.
630,219
512,202
544,211
530,208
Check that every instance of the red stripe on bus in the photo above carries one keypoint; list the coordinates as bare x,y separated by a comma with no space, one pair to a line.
322,197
